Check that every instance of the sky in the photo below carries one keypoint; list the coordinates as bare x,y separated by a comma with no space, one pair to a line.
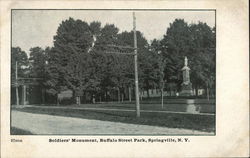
32,28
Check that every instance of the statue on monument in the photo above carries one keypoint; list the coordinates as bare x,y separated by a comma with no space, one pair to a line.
186,61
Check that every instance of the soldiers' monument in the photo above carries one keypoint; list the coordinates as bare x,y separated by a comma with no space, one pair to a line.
186,89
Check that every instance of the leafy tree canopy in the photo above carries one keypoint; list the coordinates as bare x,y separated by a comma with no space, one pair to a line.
20,57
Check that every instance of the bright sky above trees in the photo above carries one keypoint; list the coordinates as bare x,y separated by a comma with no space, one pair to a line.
32,28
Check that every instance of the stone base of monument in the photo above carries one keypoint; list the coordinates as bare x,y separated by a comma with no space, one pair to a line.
186,90
186,93
191,107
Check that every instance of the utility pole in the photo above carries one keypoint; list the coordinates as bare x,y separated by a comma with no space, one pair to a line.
161,85
162,80
136,71
17,97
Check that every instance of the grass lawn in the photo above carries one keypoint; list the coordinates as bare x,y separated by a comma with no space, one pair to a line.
17,131
176,105
204,108
188,121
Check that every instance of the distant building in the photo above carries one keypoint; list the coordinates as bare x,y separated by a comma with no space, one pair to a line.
64,96
200,92
67,94
154,93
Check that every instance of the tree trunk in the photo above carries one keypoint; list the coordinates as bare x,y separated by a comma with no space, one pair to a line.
196,91
148,95
129,93
140,94
93,99
17,96
118,90
57,99
162,93
24,95
162,98
125,93
43,93
122,96
84,97
105,95
207,93
170,89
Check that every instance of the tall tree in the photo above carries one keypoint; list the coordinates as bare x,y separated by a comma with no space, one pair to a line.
114,66
146,60
19,64
175,46
197,42
37,62
37,66
202,55
20,57
70,58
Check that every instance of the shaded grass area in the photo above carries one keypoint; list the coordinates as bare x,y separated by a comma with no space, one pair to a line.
187,121
17,131
175,100
158,107
204,108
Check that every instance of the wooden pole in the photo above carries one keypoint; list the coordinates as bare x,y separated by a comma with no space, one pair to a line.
24,94
163,83
136,71
17,96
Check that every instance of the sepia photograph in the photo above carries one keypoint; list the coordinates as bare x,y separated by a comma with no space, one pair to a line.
113,72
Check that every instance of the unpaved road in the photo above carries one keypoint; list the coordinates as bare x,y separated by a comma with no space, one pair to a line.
48,124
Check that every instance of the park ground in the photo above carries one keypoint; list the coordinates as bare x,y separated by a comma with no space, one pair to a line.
114,118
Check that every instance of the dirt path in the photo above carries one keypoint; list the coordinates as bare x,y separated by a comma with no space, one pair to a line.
48,124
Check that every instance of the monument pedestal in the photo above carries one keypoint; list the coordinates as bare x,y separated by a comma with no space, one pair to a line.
186,89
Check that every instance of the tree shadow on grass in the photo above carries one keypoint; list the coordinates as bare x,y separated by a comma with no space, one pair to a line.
17,131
